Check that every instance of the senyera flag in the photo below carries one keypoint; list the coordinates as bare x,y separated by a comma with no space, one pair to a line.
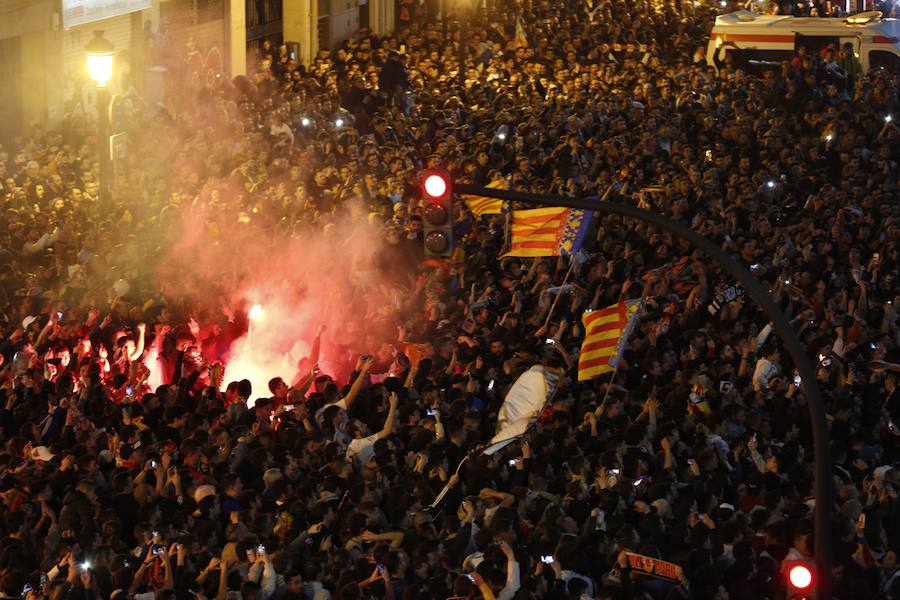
481,205
606,332
549,231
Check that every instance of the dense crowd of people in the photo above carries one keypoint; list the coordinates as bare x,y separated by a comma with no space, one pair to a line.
133,465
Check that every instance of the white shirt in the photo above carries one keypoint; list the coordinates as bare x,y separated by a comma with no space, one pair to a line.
765,370
362,449
341,404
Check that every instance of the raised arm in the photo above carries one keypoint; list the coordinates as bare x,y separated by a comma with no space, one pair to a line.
389,422
356,388
139,344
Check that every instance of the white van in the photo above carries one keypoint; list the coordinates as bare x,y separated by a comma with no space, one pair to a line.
759,42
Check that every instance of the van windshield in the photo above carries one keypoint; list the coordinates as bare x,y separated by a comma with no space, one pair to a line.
884,59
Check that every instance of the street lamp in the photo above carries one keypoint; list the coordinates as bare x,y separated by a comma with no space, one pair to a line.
820,576
100,68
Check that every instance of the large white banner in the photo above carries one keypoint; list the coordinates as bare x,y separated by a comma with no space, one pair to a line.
81,12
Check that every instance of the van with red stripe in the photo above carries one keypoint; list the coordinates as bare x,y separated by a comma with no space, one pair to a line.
757,42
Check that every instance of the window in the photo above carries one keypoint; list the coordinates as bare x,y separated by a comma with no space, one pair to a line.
756,62
815,44
883,59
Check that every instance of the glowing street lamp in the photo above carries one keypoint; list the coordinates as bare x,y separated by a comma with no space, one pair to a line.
100,59
99,53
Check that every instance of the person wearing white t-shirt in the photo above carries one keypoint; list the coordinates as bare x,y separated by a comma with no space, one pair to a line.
362,449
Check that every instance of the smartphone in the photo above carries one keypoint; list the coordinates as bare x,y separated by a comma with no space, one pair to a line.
431,412
754,267
638,481
155,533
469,575
129,390
153,465
546,558
490,385
891,426
873,345
614,471
289,406
551,341
158,549
44,578
691,462
797,380
402,48
512,462
380,568
59,313
26,589
260,549
700,516
875,257
85,565
366,356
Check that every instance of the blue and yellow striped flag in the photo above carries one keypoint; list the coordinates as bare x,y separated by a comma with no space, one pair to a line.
549,231
606,332
479,205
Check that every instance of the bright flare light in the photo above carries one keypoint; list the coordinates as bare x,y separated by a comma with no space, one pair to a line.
256,311
339,122
305,122
801,577
435,186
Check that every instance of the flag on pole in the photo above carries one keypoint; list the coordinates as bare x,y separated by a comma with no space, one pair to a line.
549,231
479,205
606,333
521,38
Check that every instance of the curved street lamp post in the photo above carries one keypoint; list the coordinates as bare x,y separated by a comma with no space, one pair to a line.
817,412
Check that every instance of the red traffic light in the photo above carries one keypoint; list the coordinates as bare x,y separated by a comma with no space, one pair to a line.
436,185
800,577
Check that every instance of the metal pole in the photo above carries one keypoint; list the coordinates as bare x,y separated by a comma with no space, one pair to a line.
444,21
823,482
103,148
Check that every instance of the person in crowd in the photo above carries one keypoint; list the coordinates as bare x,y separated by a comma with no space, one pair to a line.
134,464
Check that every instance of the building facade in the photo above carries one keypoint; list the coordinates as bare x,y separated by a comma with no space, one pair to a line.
42,58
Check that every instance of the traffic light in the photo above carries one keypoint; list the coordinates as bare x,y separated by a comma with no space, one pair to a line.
800,581
437,192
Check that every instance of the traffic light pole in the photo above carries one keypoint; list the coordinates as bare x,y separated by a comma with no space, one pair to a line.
823,481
